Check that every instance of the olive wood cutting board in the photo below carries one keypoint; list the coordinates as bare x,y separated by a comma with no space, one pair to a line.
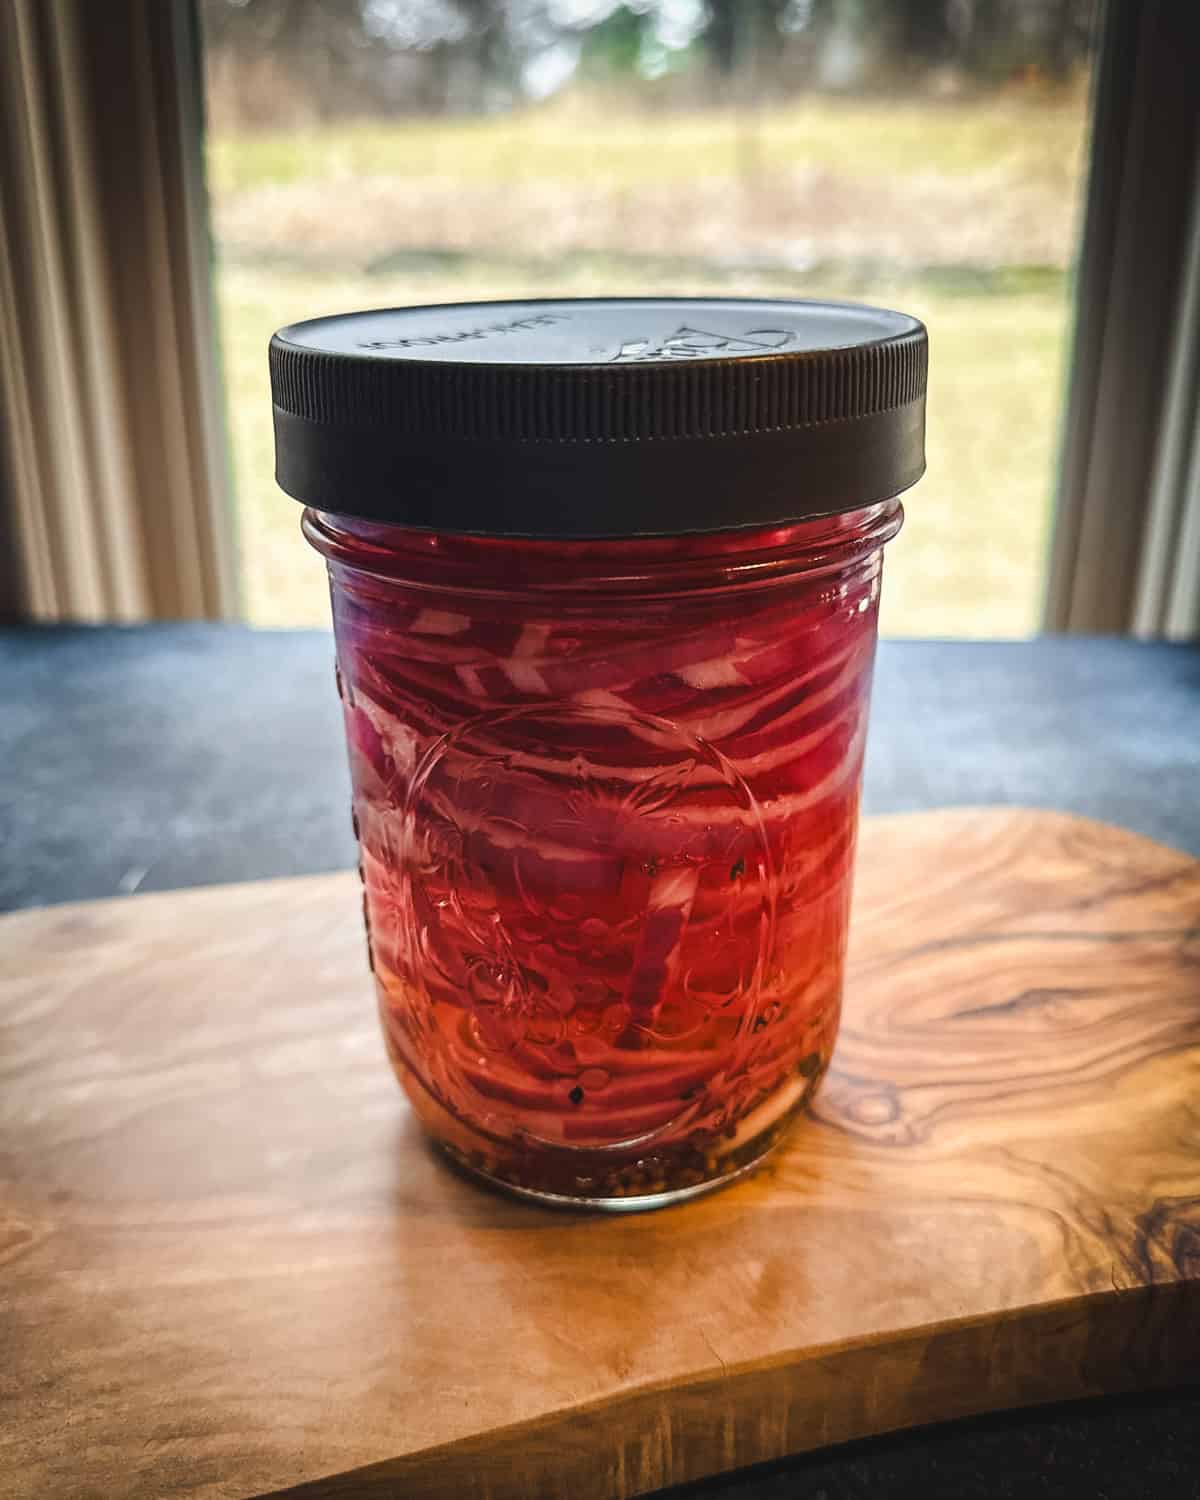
229,1266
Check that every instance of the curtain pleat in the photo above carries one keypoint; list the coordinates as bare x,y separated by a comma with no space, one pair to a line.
115,478
1168,593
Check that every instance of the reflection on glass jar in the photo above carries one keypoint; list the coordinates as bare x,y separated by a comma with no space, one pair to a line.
606,794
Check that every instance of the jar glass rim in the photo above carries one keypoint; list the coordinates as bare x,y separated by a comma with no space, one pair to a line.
698,564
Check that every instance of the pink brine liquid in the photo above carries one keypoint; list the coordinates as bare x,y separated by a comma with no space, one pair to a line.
606,796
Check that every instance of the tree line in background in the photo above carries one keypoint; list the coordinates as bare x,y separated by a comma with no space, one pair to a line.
282,62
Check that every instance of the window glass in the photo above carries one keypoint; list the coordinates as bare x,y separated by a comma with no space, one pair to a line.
926,154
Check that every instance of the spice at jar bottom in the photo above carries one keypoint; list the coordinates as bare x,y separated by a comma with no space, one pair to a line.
605,583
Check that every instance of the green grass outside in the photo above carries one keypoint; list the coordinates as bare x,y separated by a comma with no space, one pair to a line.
970,559
561,140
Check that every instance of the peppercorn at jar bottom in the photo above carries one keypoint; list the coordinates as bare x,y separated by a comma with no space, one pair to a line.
607,854
617,1181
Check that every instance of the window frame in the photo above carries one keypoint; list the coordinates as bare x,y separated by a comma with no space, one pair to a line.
128,241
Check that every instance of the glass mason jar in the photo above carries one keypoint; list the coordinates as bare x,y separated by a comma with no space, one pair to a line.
605,583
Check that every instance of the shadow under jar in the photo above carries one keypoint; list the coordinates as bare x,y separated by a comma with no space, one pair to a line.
605,583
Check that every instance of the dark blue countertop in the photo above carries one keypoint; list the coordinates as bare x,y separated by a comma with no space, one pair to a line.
164,756
181,755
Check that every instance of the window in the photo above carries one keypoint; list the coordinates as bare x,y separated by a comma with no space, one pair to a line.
918,153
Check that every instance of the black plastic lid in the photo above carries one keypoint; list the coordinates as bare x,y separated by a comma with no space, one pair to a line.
612,417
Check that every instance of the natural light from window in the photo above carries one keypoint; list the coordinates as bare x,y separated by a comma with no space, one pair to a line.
924,154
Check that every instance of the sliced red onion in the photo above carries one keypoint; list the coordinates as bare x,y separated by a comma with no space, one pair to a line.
607,845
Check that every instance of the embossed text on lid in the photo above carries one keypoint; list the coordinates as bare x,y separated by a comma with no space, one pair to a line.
598,332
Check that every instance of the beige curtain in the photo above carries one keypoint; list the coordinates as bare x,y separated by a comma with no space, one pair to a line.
1123,524
115,495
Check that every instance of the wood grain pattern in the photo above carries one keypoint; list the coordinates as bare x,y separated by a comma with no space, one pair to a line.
228,1266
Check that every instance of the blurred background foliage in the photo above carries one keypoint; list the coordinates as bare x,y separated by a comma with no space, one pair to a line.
277,62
